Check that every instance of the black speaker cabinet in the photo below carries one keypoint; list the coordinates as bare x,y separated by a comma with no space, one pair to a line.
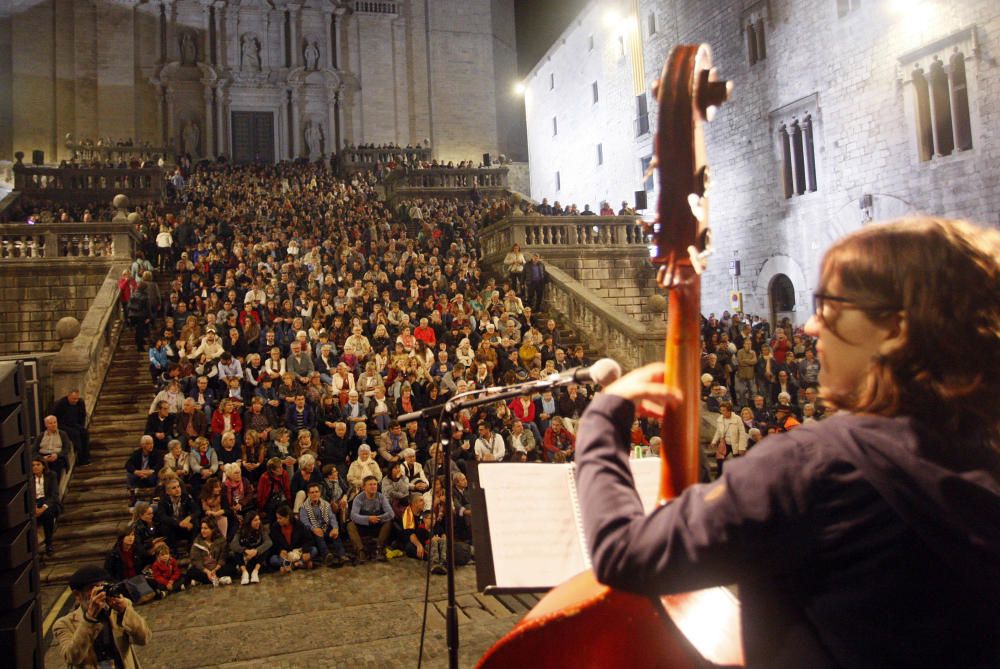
640,200
487,160
18,586
13,427
38,157
20,637
15,464
11,383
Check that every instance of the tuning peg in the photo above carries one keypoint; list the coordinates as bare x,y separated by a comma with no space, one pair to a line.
695,202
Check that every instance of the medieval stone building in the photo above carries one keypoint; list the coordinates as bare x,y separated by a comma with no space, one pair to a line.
259,79
843,112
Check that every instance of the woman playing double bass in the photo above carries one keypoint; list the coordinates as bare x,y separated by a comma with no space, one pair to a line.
872,538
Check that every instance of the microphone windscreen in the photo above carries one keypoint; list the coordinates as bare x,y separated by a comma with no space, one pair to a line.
604,371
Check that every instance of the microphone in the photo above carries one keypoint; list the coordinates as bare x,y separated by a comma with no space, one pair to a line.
602,372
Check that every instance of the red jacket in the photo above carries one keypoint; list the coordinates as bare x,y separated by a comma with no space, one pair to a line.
523,414
266,485
164,573
219,424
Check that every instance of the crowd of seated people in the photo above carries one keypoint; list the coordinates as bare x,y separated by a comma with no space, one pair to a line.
303,317
543,208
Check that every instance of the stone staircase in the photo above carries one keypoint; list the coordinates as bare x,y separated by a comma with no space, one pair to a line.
95,508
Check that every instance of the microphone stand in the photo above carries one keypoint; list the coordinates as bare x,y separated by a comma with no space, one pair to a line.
447,425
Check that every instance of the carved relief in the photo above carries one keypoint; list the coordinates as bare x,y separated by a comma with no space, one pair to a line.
251,53
311,55
189,49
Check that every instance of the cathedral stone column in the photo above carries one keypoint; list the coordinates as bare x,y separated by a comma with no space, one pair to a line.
296,129
206,26
293,34
171,27
332,134
222,107
220,43
171,130
329,24
209,144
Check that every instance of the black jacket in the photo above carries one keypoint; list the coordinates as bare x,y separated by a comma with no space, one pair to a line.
301,537
858,541
134,461
165,517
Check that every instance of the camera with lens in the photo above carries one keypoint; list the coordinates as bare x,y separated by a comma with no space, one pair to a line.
115,589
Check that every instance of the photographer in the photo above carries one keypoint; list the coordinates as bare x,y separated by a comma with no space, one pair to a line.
101,631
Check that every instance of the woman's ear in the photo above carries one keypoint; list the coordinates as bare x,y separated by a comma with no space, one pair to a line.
897,335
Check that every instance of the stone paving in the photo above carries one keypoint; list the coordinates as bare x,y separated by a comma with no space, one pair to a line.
363,617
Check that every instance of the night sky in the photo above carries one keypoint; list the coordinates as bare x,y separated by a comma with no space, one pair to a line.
539,23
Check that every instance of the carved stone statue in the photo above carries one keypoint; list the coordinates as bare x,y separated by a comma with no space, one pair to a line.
251,53
314,140
189,50
312,56
190,137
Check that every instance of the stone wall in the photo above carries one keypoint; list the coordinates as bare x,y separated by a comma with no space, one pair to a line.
625,279
851,72
172,73
35,294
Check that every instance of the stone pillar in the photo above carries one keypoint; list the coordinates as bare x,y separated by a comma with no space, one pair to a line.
171,27
161,121
171,131
329,21
293,33
208,146
332,133
220,43
222,107
296,129
206,26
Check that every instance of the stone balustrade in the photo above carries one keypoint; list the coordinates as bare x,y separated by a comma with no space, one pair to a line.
25,243
445,182
632,343
577,235
389,7
357,159
89,184
89,151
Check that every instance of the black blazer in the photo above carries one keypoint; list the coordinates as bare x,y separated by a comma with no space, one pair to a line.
301,538
51,491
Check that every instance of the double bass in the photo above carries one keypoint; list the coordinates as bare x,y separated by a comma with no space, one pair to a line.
583,623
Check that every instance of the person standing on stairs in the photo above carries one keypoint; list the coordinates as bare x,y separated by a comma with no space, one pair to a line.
534,278
71,412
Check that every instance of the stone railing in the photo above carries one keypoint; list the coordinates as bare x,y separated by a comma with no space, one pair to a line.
118,153
89,184
445,182
7,203
87,348
354,159
574,235
602,325
388,7
22,242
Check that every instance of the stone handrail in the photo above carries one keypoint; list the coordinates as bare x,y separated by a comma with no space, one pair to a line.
6,203
600,324
390,7
89,184
87,347
445,182
21,242
354,159
548,234
115,152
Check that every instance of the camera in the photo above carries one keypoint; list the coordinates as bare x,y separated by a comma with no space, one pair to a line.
115,590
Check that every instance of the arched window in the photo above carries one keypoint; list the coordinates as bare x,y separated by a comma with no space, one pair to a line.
751,43
786,160
941,106
797,158
761,46
922,100
810,153
960,102
781,293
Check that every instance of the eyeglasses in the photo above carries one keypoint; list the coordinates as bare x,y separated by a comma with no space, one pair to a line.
819,301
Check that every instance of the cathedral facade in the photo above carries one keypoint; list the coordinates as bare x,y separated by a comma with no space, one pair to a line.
259,79
844,112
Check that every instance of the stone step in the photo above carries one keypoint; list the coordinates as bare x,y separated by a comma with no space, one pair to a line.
103,495
95,479
88,531
79,551
92,512
59,572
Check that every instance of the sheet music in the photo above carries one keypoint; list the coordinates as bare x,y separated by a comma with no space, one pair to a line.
646,472
533,525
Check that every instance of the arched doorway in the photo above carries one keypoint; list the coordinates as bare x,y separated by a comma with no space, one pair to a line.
781,296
